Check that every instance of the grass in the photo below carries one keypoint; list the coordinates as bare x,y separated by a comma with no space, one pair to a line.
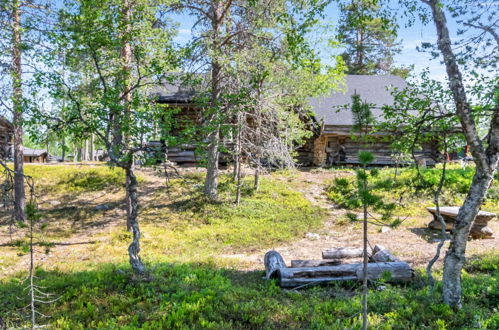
194,279
177,225
58,179
413,195
205,296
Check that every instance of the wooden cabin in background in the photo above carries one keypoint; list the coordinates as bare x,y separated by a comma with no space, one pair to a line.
6,138
333,142
35,155
336,143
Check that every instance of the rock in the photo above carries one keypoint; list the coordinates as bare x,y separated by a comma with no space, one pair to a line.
312,236
381,288
55,203
102,207
385,229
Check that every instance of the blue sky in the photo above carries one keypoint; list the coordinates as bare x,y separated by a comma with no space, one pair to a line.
411,37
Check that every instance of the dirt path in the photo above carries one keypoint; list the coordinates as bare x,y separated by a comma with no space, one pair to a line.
413,243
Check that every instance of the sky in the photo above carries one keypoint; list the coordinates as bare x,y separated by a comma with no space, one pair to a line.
410,38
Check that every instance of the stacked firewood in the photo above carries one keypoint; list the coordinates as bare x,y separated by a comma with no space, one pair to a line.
333,268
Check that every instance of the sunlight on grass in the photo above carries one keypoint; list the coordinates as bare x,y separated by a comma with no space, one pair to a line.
414,197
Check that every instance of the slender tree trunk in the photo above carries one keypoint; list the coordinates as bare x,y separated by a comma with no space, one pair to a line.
63,156
211,183
455,256
236,165
365,259
132,219
128,201
126,54
238,155
92,149
485,159
85,151
257,175
17,100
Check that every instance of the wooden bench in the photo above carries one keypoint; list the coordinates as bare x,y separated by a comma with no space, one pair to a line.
479,228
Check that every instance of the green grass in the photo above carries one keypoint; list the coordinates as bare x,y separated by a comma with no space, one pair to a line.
414,194
264,218
179,225
202,295
192,282
74,178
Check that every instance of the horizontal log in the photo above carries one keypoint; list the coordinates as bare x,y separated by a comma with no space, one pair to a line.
476,231
399,271
322,271
435,224
482,232
314,263
384,256
452,211
292,277
343,252
295,282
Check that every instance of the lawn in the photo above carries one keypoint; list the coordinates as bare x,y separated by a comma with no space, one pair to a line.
195,278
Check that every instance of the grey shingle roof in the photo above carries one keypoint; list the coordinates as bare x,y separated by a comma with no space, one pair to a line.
33,152
174,93
372,89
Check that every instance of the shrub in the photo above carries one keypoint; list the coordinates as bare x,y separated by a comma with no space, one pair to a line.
344,193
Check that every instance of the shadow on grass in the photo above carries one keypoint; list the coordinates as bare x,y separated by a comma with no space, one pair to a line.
200,295
429,235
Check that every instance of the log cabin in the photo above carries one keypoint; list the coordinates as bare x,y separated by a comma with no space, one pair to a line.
334,142
35,155
6,138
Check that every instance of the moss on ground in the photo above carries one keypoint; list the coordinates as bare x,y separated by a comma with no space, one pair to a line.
190,284
203,295
413,195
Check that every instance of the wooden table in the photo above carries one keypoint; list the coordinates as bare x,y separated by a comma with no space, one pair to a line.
479,228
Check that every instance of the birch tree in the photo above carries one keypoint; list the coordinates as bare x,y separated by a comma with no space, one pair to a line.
119,50
470,61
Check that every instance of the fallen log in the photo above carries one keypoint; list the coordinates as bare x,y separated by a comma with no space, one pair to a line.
273,262
298,276
343,252
314,263
381,254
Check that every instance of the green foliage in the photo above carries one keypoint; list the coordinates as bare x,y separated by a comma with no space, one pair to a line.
343,192
75,179
200,295
362,116
413,194
369,32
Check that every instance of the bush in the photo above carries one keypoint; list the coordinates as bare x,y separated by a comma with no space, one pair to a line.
414,194
344,193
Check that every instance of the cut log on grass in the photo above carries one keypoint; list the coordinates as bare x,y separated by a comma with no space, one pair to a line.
302,276
384,256
293,277
343,252
273,264
314,263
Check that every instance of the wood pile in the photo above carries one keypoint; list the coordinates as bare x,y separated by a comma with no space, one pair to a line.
479,229
331,268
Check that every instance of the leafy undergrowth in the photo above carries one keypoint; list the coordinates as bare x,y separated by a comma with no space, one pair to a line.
177,225
412,195
194,278
271,215
201,295
74,178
